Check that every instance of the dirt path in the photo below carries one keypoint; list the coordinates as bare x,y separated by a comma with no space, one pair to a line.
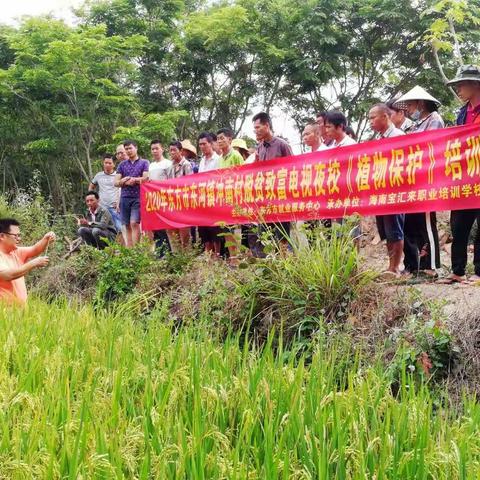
460,300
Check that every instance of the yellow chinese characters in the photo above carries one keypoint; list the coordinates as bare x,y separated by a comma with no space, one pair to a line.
415,162
363,172
380,167
397,167
333,176
453,157
472,154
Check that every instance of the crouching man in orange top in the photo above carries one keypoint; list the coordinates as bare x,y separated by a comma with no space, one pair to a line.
16,262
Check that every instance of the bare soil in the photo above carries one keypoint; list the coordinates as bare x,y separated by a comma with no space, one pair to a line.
462,301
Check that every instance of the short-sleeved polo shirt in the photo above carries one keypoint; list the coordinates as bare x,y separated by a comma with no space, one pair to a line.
14,291
231,159
132,169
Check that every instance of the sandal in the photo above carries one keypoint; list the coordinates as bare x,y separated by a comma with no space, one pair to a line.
451,279
474,280
388,275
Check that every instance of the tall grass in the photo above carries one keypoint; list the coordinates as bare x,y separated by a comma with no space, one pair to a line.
92,396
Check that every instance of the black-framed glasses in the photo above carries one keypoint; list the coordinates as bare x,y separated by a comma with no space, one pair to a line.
16,235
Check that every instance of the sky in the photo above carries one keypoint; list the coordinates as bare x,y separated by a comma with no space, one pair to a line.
11,10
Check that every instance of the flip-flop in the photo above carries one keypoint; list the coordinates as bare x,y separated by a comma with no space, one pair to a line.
388,275
451,280
474,281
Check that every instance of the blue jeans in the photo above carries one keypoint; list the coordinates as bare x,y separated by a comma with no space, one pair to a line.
390,227
116,218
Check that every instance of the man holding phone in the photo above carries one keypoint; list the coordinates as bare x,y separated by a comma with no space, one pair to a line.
98,225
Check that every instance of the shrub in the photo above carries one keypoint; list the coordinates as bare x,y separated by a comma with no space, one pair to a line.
119,271
303,289
423,344
73,278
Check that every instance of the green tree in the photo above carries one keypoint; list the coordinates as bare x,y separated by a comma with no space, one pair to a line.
156,126
454,34
69,88
214,66
158,22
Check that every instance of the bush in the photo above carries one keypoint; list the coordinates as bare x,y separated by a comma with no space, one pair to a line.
301,290
73,278
423,344
119,271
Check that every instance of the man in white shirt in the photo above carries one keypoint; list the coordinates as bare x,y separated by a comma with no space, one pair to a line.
210,161
335,125
159,169
311,137
104,184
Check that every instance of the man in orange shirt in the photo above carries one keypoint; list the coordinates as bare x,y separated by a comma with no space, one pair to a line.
16,262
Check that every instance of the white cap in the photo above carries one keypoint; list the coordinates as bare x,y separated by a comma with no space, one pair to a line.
417,93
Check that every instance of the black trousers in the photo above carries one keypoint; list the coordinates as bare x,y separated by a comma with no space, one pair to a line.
421,245
280,231
95,236
162,245
461,222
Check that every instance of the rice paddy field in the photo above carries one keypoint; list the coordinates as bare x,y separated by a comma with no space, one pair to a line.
100,396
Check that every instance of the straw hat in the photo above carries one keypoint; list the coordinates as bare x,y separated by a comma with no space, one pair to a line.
395,104
466,73
187,145
241,144
417,93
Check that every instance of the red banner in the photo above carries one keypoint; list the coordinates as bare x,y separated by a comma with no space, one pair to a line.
420,172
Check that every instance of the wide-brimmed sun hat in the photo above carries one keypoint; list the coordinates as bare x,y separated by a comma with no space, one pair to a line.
466,73
187,145
417,93
240,143
395,104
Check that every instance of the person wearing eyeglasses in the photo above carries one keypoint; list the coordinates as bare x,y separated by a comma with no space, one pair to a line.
16,261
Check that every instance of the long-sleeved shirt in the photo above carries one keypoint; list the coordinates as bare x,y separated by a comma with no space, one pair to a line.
432,122
101,218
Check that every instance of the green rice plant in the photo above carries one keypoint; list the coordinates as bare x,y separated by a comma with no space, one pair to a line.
104,396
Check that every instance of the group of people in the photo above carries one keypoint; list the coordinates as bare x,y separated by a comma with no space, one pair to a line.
113,198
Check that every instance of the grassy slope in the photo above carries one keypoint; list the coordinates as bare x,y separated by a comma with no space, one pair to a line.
100,397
